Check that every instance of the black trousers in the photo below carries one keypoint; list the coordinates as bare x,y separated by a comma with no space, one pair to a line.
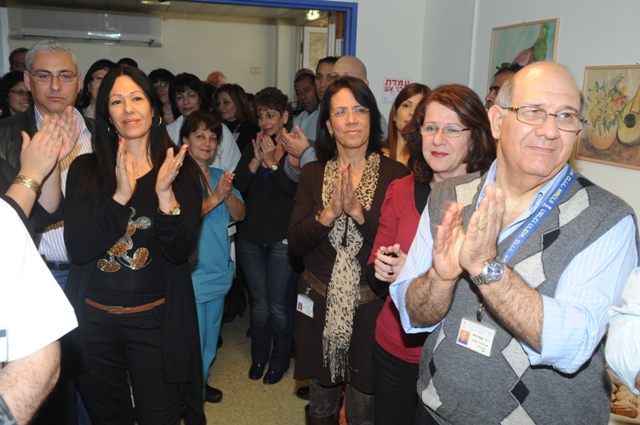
394,383
121,346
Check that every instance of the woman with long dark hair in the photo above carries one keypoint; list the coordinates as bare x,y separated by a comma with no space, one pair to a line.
394,146
91,85
161,79
333,225
131,218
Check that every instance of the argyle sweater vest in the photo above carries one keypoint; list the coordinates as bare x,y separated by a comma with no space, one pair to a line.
464,387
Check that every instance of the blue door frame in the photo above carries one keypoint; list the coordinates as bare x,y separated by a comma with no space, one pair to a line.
350,10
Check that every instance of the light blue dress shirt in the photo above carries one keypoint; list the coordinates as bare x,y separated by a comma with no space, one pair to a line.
575,319
623,341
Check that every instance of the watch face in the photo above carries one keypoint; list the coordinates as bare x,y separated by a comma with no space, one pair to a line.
493,271
175,211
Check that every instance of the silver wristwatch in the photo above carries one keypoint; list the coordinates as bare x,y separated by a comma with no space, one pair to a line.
492,271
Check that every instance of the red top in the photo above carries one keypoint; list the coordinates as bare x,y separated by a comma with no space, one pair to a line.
398,224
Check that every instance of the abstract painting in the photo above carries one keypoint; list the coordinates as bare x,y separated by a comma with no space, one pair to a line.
523,43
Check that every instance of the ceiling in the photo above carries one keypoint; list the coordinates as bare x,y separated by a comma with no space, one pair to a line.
156,6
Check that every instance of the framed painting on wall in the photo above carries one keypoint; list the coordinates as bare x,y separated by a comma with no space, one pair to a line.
523,43
612,133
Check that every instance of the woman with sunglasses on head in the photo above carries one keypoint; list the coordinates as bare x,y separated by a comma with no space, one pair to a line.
131,218
161,79
334,222
92,80
14,96
448,135
394,146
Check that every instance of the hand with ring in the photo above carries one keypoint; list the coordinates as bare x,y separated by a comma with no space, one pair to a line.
388,263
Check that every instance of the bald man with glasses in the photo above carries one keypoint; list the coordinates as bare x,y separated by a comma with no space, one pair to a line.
524,263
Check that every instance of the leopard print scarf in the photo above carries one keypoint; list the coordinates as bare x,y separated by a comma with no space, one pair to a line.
343,292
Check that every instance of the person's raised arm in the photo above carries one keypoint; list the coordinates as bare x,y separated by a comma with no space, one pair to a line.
516,304
40,155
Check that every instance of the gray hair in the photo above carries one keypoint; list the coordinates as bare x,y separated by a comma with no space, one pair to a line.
505,95
51,46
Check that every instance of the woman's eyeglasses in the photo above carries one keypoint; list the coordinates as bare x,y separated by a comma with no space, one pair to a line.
448,131
358,111
21,92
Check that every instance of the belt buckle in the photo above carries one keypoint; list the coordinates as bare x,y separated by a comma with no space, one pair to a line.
110,309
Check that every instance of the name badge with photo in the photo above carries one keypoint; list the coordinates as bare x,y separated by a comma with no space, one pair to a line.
476,337
305,305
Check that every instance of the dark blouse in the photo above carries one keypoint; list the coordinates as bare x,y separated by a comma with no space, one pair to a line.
268,197
91,230
243,132
131,269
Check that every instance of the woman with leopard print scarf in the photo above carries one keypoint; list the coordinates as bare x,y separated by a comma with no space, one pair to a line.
333,225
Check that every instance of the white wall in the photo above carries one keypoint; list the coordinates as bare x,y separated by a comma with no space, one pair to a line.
589,34
390,41
198,45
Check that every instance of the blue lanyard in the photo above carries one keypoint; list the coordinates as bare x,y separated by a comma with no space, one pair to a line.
528,228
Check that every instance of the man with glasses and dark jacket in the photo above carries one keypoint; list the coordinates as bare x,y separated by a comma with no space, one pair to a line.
53,79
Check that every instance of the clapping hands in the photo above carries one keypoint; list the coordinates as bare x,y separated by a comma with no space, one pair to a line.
52,143
224,187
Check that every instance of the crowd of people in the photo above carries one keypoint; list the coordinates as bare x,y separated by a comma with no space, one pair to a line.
446,266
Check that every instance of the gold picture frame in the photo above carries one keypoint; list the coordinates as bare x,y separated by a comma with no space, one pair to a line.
612,133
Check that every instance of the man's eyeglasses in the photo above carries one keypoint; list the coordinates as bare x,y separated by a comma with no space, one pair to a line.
533,115
358,111
21,92
47,77
451,131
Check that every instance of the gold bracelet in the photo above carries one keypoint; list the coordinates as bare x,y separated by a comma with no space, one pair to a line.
28,182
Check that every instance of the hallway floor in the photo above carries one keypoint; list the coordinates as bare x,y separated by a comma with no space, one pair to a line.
247,402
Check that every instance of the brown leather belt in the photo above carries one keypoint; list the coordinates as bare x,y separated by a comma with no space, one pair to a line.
115,309
366,294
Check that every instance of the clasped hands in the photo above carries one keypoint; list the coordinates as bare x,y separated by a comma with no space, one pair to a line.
455,251
343,200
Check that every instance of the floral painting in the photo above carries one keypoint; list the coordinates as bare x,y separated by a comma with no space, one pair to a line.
612,133
523,43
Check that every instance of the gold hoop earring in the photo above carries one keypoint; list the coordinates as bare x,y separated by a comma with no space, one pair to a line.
109,131
160,121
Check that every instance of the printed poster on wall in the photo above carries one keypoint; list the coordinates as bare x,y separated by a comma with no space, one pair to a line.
393,86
